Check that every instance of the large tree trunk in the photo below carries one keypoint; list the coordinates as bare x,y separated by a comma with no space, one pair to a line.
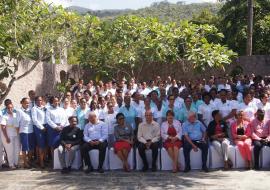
250,27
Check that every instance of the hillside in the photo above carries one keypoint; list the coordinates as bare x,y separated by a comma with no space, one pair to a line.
165,11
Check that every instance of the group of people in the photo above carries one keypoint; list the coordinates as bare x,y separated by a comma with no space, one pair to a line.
124,114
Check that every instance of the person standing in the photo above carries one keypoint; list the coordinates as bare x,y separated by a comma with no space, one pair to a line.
70,140
148,137
27,136
10,136
38,113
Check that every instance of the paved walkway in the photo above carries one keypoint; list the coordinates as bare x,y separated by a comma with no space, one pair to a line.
53,180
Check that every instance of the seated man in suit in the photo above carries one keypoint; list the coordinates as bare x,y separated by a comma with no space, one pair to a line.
194,137
148,137
95,137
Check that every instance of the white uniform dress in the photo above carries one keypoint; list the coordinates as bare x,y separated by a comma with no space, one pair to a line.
13,147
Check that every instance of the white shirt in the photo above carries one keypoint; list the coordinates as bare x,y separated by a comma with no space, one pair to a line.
24,121
206,112
138,107
97,131
164,129
224,108
226,87
141,114
145,91
56,116
249,110
110,120
10,121
38,116
70,112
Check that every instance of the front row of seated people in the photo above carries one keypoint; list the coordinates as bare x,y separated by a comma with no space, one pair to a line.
191,135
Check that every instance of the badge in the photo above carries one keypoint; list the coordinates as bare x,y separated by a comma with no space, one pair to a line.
74,136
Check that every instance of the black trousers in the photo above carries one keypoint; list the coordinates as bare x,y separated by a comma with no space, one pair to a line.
257,149
188,147
86,147
154,148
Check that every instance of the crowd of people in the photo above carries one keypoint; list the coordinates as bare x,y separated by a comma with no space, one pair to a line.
123,115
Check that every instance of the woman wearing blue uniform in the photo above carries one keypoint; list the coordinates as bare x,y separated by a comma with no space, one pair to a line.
39,122
56,119
27,137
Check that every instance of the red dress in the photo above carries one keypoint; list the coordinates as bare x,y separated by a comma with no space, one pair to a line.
168,144
120,145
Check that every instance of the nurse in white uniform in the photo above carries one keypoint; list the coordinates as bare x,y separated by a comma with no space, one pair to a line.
27,136
10,136
56,119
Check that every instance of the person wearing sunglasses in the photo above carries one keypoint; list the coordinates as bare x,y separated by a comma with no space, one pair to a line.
124,135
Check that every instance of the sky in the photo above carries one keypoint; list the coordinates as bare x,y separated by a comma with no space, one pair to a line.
115,4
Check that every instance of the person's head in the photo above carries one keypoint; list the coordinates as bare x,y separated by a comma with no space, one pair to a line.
223,95
93,105
74,104
162,92
148,116
68,95
154,95
216,115
92,117
147,102
119,100
87,94
25,103
39,101
127,99
32,95
264,97
7,101
206,98
170,116
83,103
110,107
213,93
73,121
171,99
260,114
175,92
54,101
240,115
191,117
247,97
78,96
101,101
188,101
120,118
66,103
9,108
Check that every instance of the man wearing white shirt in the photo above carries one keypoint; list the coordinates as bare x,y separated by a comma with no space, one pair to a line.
95,137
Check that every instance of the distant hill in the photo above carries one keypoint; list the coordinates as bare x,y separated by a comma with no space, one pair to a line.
164,10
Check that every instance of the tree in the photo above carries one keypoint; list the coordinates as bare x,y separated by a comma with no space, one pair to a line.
30,30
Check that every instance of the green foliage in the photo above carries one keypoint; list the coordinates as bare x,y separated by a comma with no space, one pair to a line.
233,24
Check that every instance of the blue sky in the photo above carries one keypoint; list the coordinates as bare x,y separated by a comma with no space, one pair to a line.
115,4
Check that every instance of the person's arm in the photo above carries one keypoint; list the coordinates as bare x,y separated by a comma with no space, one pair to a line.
4,131
116,133
157,133
36,122
49,120
86,137
164,134
254,136
140,134
104,132
203,129
179,131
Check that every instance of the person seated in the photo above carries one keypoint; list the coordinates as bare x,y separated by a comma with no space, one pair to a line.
194,137
123,134
260,135
70,139
217,133
171,133
148,137
241,134
95,136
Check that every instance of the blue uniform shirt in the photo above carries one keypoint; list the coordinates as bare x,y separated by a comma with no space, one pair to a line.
194,130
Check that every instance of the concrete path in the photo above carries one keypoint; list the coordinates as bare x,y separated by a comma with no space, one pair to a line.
195,180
